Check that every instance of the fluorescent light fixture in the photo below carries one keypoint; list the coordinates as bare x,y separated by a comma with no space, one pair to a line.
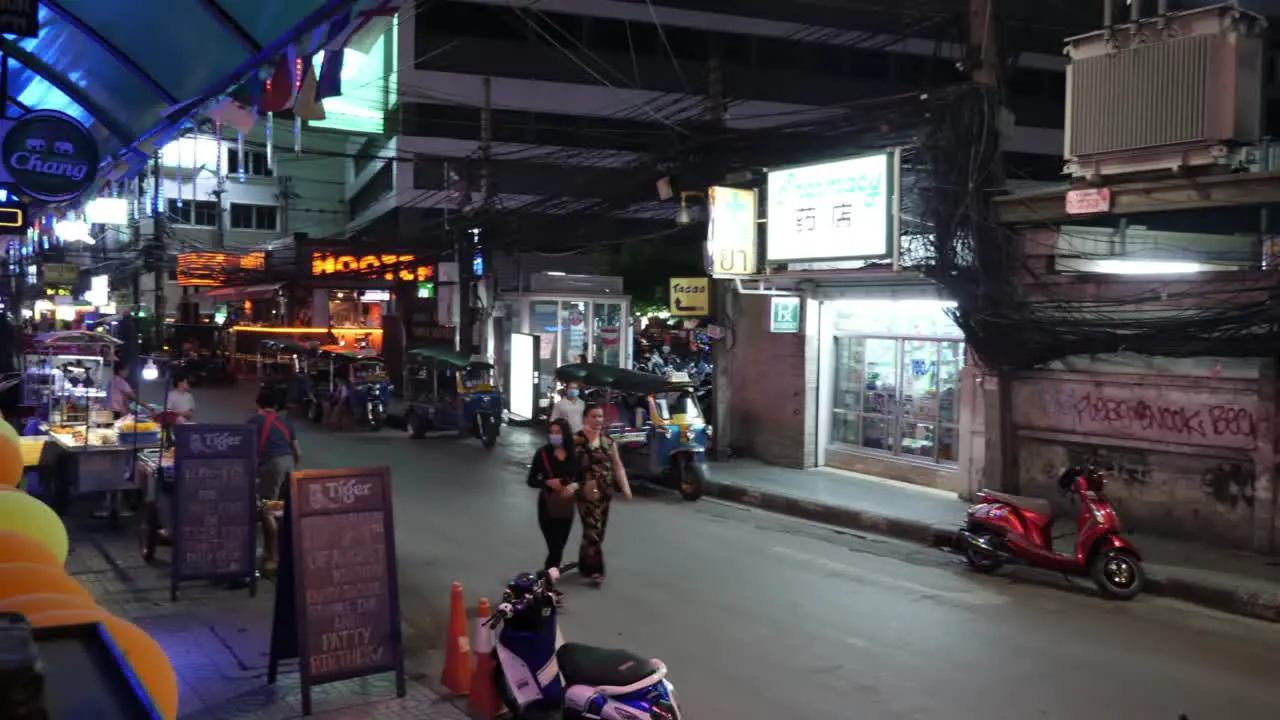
107,211
1146,267
73,231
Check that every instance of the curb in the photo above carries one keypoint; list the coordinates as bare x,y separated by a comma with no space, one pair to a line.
1236,601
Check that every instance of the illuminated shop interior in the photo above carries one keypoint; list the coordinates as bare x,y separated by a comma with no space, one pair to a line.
896,378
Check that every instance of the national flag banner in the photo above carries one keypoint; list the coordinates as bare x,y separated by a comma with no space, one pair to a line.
233,114
371,23
329,83
307,106
279,89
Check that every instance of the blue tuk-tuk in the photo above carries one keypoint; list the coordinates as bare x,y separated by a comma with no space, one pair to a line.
365,376
451,393
661,432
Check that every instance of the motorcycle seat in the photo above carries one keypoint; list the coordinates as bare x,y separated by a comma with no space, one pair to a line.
1022,502
609,671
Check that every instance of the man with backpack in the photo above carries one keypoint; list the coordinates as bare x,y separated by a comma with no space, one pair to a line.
278,455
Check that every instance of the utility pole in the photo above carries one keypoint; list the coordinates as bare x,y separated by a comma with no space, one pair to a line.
464,239
157,255
984,66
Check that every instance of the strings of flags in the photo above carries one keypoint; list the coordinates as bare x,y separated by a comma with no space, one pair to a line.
293,82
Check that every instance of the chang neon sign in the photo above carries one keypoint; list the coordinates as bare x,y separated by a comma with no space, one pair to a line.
385,266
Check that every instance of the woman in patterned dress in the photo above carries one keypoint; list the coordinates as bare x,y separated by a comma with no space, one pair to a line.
600,472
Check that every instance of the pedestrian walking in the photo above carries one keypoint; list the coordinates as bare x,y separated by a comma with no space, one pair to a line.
278,455
600,474
552,472
570,407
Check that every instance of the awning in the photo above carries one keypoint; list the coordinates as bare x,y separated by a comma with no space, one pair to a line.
132,70
246,292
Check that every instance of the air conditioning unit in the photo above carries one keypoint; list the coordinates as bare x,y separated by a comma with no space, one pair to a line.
1166,93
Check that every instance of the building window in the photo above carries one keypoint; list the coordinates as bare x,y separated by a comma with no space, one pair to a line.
897,378
198,213
255,163
380,184
898,396
255,217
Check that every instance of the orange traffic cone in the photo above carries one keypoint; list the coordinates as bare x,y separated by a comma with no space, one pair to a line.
457,652
484,701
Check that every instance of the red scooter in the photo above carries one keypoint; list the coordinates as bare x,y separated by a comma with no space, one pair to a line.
1011,528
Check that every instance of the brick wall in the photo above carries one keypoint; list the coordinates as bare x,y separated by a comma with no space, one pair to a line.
771,377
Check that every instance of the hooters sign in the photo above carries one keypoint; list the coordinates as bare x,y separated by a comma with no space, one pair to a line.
731,232
372,267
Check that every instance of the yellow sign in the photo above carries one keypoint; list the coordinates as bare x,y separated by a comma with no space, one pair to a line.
731,232
386,267
690,297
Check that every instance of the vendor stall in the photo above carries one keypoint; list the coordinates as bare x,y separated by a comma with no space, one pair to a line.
95,452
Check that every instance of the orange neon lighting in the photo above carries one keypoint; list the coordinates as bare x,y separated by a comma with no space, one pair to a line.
211,269
388,266
298,330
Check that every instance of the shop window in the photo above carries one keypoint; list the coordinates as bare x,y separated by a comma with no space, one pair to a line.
197,213
898,396
255,163
264,218
607,332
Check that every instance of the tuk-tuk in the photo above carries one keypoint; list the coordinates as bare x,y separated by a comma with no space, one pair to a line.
369,389
199,353
282,371
451,393
656,421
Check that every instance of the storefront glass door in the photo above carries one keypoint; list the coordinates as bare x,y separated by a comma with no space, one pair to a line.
897,395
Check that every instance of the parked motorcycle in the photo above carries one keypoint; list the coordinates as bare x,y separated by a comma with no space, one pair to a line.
535,671
1005,528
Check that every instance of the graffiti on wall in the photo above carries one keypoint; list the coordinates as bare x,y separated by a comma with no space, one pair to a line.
1174,416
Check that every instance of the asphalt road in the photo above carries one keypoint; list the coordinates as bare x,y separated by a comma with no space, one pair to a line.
760,617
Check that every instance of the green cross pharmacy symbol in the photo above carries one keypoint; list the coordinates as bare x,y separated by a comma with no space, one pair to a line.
784,314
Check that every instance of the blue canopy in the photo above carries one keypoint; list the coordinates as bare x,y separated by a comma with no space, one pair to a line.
130,69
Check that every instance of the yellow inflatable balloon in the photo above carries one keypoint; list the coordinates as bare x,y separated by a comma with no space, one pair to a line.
18,548
149,662
10,455
27,579
26,515
38,603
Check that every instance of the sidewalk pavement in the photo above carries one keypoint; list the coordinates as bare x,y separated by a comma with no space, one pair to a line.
1235,582
217,640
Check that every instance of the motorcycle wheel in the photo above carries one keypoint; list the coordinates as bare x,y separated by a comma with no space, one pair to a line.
980,561
375,420
488,433
416,426
315,412
690,481
504,692
1118,574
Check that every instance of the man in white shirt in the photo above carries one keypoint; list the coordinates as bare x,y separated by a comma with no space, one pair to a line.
181,402
570,408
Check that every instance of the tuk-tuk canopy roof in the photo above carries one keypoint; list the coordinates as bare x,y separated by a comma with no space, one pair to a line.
447,356
285,346
616,378
133,70
76,337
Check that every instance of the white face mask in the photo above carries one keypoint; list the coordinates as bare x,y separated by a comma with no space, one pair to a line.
555,440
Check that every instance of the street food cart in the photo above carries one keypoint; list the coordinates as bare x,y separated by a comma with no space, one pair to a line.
94,452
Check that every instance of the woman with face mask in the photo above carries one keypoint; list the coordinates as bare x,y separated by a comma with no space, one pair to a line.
552,472
570,407
600,473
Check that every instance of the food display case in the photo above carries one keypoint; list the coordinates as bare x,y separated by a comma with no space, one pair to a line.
62,360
